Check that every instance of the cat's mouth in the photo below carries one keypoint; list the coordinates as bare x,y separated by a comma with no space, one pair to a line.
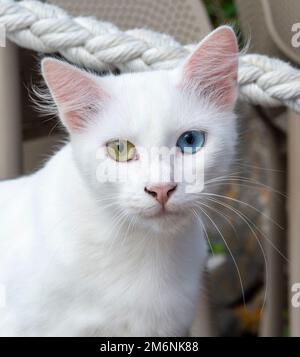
162,213
157,212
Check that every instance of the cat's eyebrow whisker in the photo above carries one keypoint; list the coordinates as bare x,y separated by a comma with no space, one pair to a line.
244,203
57,124
249,223
229,251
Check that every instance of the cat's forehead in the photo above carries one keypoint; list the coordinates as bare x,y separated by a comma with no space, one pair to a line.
144,87
142,103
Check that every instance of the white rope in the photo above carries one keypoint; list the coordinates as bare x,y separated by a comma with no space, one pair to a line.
100,45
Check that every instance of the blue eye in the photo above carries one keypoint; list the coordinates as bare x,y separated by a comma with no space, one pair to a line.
191,141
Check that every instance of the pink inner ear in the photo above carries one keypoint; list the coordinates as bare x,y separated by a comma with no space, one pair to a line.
75,92
212,69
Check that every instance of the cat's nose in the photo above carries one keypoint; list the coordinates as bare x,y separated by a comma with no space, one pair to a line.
161,192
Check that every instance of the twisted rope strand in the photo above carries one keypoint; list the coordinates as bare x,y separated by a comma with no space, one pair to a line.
101,45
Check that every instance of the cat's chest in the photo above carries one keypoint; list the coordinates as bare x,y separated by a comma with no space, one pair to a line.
121,292
142,297
137,305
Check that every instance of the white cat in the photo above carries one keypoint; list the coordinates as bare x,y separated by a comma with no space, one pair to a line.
84,256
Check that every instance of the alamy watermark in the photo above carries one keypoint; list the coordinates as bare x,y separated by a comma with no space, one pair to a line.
157,164
295,40
295,299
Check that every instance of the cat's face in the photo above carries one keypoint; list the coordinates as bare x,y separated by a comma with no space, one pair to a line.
146,142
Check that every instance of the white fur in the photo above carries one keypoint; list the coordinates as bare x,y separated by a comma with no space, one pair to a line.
71,265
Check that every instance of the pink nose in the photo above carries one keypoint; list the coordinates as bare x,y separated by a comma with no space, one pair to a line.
161,192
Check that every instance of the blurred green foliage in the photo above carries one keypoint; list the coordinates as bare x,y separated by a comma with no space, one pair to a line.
224,12
221,12
217,248
286,325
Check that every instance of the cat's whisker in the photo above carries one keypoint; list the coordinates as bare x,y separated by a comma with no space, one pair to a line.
229,250
223,215
235,176
109,205
117,223
221,177
240,162
248,222
204,230
127,231
241,215
123,221
243,203
245,184
107,197
270,170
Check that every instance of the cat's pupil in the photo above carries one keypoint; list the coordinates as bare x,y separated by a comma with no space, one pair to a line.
191,141
120,147
189,138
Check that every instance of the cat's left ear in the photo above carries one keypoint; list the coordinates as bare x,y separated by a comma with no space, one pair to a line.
76,93
211,70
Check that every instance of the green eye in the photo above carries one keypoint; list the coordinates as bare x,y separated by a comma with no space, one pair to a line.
121,150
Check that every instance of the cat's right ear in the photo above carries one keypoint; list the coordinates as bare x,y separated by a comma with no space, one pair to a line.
211,70
76,93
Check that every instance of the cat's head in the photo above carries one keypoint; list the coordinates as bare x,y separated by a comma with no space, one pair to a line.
120,125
